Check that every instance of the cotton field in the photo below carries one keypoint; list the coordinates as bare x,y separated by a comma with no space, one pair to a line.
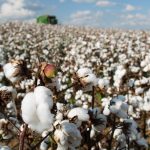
74,88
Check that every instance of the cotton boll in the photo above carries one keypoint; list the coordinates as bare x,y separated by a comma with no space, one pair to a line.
102,83
67,136
85,106
14,70
9,71
60,137
36,109
143,63
70,129
90,78
79,93
67,96
81,113
79,103
144,81
146,68
83,72
83,98
135,69
117,133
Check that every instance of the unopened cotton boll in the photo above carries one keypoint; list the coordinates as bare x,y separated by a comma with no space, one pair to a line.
36,108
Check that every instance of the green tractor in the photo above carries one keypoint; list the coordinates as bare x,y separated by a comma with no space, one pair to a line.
47,19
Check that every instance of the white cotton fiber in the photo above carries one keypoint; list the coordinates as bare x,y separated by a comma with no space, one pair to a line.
36,109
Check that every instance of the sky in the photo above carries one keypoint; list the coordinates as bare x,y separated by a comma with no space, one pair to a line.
132,14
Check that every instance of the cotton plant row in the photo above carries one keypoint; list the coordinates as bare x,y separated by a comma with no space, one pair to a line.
112,64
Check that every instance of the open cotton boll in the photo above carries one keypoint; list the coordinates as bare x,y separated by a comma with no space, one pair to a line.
139,90
118,107
90,78
81,113
67,136
103,83
135,69
9,71
146,68
83,72
36,109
